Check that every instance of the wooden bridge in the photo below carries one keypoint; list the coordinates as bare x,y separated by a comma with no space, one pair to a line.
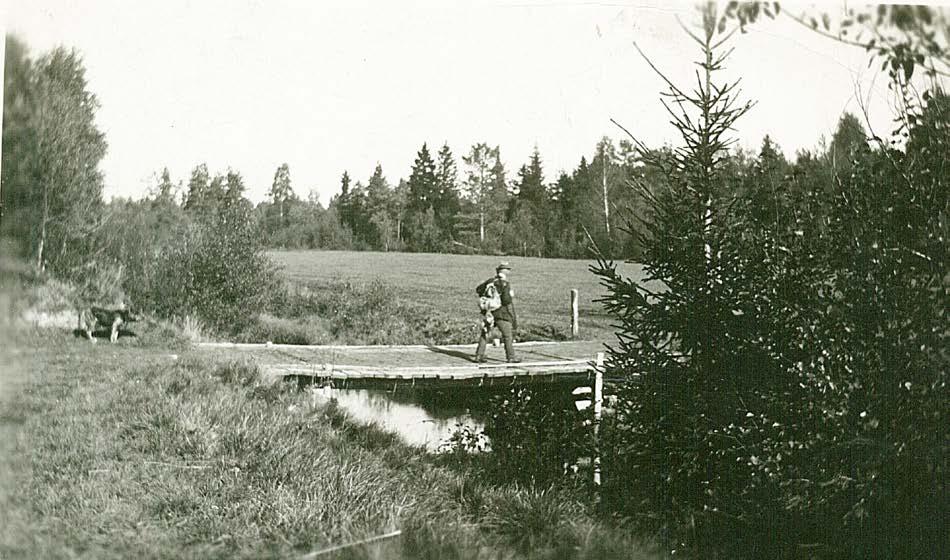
420,366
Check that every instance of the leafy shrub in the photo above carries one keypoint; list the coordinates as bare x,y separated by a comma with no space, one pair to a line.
463,441
536,433
217,272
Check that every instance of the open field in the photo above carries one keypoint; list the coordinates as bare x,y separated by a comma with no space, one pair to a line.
444,284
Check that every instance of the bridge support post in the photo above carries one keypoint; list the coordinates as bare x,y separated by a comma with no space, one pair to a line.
598,407
574,326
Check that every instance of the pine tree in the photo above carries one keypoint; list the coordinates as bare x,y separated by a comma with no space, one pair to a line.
766,185
531,192
527,211
423,195
196,198
345,183
341,203
579,209
447,203
571,196
682,341
423,188
399,203
360,222
379,212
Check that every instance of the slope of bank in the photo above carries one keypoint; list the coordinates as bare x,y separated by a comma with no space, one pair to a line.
145,449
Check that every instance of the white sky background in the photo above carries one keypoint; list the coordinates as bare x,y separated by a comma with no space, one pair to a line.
331,87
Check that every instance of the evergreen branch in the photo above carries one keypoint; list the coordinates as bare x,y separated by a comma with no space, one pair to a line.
669,83
693,36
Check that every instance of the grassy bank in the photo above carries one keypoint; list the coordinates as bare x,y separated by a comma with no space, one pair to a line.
142,450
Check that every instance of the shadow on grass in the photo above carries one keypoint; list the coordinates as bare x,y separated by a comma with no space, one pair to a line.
102,333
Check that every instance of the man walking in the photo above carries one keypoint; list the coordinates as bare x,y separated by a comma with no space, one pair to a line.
504,317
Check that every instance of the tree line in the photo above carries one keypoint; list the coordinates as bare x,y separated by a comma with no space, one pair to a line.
600,207
53,205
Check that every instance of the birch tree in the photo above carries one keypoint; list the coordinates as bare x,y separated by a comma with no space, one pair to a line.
58,188
484,178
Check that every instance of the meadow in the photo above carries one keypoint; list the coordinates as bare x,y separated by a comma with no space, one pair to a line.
145,449
443,285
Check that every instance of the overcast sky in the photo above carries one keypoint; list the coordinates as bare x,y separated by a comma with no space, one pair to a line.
328,87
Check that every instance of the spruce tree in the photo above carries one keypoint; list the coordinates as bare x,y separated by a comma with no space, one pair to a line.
766,185
197,194
447,203
378,211
527,214
531,192
677,341
423,188
423,194
341,203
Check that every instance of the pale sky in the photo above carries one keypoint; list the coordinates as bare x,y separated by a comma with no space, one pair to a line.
328,87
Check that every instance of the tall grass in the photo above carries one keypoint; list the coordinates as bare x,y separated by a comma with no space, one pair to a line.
131,452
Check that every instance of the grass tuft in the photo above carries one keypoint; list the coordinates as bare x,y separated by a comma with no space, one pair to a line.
242,372
530,518
192,329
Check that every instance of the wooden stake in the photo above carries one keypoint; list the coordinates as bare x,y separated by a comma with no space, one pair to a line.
598,407
574,326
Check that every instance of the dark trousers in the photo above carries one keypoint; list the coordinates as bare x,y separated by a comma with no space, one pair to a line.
507,335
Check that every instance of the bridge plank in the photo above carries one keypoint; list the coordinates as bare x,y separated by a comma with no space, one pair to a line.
414,365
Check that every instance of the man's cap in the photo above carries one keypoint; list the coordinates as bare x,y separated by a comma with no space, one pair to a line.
503,265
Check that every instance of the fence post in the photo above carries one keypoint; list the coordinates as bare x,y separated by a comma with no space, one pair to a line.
598,406
574,325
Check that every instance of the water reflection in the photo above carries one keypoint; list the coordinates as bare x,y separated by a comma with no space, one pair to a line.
430,417
402,413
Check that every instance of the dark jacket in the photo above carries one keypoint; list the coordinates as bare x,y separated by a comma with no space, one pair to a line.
507,310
